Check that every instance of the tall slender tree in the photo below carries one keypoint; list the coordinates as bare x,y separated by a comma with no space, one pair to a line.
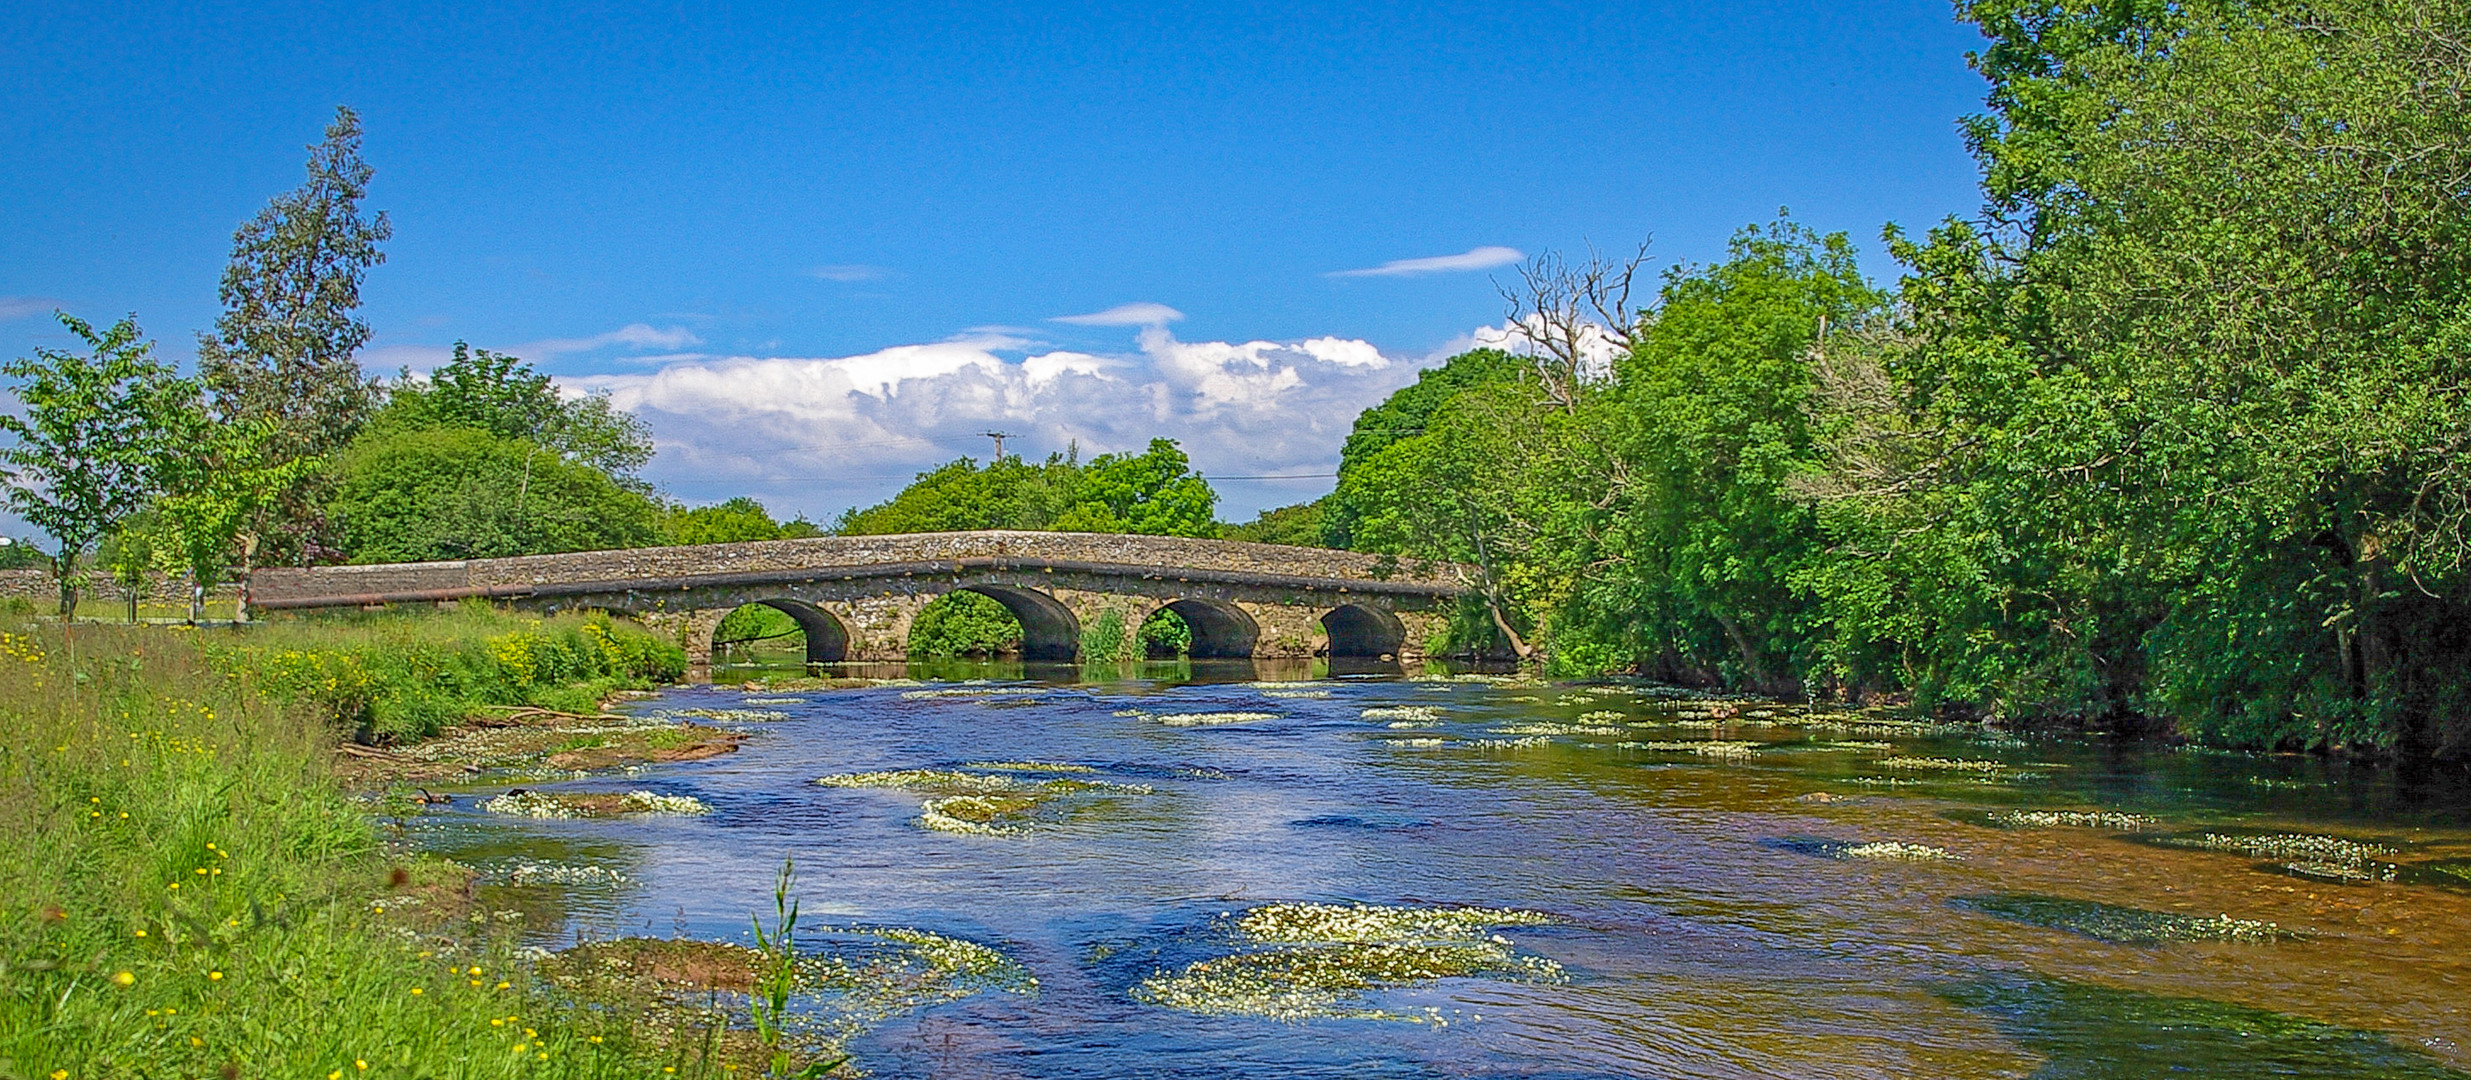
282,351
87,447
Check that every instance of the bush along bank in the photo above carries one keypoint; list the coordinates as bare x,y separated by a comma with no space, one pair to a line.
388,677
191,893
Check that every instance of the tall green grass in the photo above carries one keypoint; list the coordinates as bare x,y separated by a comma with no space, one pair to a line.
397,676
186,892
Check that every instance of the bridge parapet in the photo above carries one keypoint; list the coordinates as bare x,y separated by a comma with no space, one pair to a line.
856,596
330,586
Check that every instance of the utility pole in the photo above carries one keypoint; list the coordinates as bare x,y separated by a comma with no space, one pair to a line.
999,437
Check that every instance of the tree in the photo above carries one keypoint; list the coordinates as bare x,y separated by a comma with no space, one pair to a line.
1153,493
1695,560
2174,428
282,350
463,493
1299,525
128,555
506,397
86,448
1403,415
730,522
223,483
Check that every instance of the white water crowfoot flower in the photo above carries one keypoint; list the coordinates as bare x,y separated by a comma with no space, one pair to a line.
1321,959
971,804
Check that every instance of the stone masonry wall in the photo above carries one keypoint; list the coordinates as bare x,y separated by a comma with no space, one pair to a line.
640,563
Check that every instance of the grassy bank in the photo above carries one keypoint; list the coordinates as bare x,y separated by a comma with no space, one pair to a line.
189,893
400,676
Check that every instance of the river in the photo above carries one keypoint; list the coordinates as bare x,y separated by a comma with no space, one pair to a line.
1667,886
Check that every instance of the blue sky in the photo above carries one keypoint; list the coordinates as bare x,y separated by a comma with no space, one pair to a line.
819,248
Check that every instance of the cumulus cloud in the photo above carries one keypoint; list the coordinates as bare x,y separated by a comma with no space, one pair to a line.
1125,315
815,434
1483,258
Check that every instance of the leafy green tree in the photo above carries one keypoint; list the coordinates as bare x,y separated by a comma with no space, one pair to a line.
2175,429
282,350
963,624
1154,493
283,347
223,483
506,397
1165,635
16,554
729,522
87,448
1297,526
128,555
1693,561
1403,415
960,496
463,493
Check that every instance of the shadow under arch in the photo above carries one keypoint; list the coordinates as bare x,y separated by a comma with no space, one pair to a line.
1221,631
1048,630
1361,632
827,640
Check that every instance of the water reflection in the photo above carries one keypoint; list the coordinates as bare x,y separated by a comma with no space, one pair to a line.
1671,840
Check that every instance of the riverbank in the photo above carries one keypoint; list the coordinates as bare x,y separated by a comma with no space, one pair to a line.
194,890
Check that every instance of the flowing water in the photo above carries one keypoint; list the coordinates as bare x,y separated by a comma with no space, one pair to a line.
1675,887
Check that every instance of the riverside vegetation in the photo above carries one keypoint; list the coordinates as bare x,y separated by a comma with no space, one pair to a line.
195,893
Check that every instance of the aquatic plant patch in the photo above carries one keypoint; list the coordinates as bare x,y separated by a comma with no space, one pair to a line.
2088,1032
724,716
526,802
1408,713
972,804
1318,961
2118,923
2309,855
1939,764
1550,727
1200,719
1708,748
2114,820
1885,850
970,692
858,979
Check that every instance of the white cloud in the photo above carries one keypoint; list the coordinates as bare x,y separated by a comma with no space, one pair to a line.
18,307
1483,258
815,434
847,272
632,335
1143,314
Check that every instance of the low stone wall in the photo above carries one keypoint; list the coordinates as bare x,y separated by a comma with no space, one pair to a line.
37,586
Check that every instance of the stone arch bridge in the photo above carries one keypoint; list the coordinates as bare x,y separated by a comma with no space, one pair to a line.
855,596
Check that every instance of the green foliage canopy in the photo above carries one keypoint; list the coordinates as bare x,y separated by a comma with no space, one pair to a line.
1154,492
463,493
86,454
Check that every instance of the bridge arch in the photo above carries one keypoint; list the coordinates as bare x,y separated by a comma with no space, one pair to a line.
827,641
1221,630
1356,630
1049,632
